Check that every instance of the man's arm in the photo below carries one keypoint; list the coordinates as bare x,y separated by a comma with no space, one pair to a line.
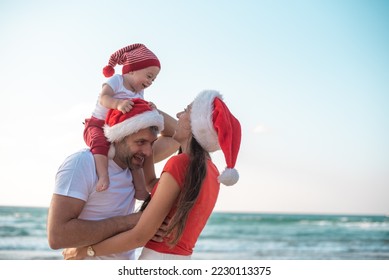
64,229
138,177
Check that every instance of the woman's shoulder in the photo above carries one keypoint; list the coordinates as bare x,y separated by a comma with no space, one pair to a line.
180,158
177,166
177,162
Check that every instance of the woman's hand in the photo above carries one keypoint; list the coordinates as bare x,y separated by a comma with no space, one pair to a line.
74,253
152,105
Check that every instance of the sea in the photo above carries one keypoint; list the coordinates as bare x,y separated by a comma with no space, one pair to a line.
230,236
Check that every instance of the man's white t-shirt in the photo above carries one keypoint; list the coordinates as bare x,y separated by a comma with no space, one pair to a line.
77,178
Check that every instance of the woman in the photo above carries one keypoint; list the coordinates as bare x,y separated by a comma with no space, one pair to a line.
188,187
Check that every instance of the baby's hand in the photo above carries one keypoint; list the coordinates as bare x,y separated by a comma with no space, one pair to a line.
125,105
152,105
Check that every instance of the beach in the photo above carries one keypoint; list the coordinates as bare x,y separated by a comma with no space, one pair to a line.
229,236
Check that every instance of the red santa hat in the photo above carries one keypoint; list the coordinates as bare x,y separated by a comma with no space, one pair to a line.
118,125
133,57
215,128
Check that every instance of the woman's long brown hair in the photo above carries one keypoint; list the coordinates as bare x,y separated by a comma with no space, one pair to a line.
194,178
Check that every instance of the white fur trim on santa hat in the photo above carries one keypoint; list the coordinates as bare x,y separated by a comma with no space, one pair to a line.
229,177
201,120
133,124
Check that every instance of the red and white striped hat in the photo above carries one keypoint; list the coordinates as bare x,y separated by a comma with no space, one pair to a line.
133,57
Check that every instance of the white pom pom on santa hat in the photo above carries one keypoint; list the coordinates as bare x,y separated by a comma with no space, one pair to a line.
229,177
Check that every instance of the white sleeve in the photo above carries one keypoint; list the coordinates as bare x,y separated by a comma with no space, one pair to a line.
115,82
76,177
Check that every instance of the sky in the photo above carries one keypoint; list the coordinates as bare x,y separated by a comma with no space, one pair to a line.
308,80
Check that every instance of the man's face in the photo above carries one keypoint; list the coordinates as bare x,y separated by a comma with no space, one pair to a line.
132,150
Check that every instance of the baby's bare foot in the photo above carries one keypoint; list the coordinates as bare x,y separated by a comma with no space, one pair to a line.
102,184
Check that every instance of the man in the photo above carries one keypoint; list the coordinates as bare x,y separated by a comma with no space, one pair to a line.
81,216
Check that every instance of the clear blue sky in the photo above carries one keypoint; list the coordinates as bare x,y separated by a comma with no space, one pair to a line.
309,81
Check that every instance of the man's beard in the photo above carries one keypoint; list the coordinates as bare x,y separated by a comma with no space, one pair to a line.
139,160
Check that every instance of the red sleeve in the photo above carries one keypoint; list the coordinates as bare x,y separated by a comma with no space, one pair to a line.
177,166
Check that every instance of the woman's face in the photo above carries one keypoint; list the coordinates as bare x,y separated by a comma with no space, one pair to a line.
183,128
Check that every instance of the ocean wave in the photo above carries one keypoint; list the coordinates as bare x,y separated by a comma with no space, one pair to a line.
346,223
7,231
231,236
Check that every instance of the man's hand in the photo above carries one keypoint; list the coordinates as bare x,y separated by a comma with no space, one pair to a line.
74,253
161,233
